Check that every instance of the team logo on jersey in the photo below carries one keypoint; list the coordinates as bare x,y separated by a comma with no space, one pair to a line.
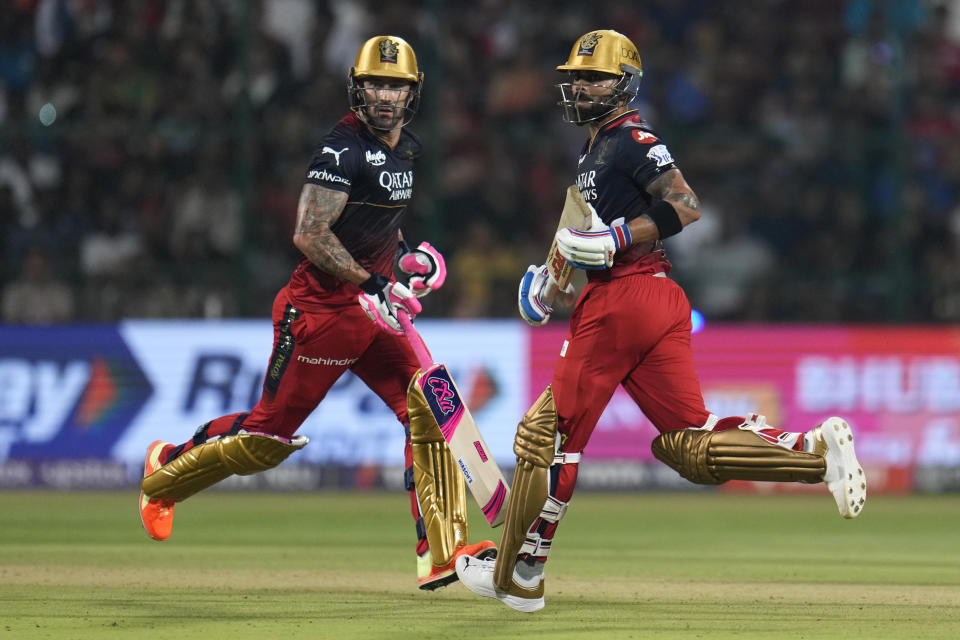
588,44
643,137
334,152
660,155
388,51
376,159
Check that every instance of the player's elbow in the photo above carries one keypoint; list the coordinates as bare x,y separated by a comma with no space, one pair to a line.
301,241
689,216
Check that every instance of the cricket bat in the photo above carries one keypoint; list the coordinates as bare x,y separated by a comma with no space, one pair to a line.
575,214
479,469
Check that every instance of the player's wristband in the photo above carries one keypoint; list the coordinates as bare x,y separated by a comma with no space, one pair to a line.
621,236
374,284
665,217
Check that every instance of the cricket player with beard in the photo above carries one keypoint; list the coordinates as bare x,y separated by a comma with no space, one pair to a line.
631,327
339,313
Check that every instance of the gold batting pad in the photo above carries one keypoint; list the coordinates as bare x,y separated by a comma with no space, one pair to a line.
713,457
535,447
440,487
206,464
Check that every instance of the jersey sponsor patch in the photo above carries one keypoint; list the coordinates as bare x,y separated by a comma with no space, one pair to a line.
376,159
398,183
660,155
643,137
324,175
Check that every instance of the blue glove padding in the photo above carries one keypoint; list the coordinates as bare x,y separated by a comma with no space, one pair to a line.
530,296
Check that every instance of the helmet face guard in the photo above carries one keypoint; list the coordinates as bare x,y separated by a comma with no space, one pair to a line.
366,103
390,65
605,54
580,108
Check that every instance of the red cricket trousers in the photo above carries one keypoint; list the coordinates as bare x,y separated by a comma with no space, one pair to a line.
635,331
326,342
311,350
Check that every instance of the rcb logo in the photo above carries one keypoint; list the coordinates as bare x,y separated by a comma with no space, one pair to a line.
388,51
588,44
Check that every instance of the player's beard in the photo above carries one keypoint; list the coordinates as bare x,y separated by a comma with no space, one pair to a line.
590,111
384,117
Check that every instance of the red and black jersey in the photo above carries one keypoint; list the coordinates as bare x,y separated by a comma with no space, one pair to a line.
378,182
613,172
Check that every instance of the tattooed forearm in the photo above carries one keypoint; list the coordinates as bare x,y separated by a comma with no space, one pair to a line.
669,186
672,187
688,200
319,208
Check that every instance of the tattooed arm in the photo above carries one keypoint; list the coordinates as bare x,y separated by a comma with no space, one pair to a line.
319,208
672,187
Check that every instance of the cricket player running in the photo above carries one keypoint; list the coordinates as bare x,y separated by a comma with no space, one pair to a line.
339,312
631,326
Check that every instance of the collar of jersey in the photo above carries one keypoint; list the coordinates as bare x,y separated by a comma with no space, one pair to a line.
406,138
619,119
610,125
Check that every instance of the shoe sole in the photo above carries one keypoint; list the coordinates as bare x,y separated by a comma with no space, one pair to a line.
844,478
526,605
441,580
431,583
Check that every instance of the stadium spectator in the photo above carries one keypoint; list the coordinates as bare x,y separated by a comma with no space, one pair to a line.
782,98
37,296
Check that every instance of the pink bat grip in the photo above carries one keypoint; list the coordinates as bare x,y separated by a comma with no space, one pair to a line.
419,346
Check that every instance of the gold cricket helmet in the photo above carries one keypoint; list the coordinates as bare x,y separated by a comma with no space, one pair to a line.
388,57
599,52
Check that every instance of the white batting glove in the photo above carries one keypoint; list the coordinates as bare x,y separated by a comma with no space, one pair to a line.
533,285
426,267
593,249
382,299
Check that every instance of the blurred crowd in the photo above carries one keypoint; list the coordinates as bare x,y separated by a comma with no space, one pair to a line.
152,152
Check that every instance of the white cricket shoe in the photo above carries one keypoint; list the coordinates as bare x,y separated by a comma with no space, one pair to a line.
844,477
477,575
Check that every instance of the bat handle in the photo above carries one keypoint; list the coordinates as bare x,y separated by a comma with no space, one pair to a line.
419,346
549,293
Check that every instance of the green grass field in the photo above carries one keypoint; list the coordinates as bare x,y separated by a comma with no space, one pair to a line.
341,565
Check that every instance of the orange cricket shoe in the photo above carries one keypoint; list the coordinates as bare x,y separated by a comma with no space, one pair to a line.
431,576
156,514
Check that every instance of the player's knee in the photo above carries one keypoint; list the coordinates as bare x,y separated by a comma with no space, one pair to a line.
537,432
685,451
